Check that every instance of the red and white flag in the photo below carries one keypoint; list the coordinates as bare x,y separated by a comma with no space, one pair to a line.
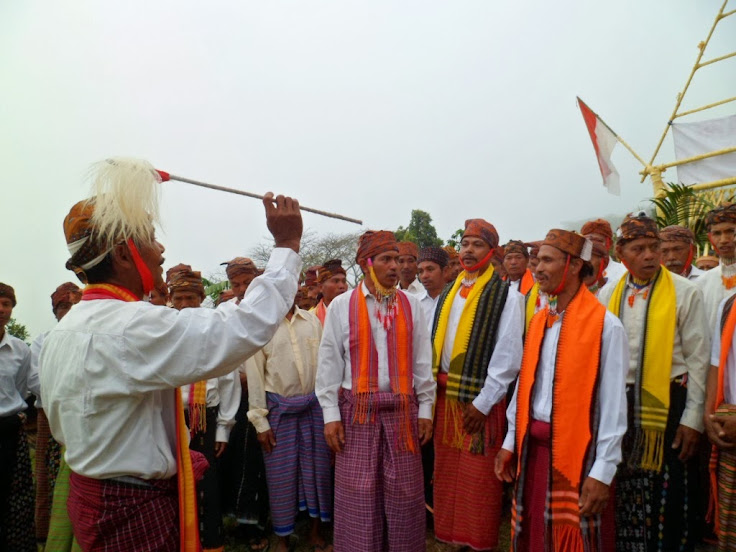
604,139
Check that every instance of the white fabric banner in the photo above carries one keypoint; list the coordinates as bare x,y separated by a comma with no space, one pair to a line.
703,137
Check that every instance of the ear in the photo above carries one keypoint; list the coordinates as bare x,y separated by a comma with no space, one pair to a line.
576,264
122,260
363,263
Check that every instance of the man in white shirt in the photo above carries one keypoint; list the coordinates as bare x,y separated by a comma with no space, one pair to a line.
16,480
112,396
678,251
433,268
285,412
333,282
599,231
211,406
720,282
477,346
516,263
408,281
576,357
375,386
669,353
48,450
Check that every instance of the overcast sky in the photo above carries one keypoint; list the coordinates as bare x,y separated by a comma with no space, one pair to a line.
371,109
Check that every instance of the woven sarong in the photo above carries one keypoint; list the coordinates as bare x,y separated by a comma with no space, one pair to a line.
17,532
41,472
298,469
727,501
379,495
61,536
209,502
111,516
653,508
467,494
243,477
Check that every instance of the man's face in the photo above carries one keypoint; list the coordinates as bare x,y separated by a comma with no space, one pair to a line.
158,298
333,287
6,311
595,261
473,250
533,262
239,284
675,255
407,268
707,264
551,268
153,257
453,269
641,256
599,238
432,277
722,237
183,299
515,265
386,268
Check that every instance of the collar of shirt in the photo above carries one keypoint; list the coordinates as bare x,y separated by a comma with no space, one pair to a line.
5,341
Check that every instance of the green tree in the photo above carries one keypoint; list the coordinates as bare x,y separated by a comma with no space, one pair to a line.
683,206
420,230
455,239
214,288
16,329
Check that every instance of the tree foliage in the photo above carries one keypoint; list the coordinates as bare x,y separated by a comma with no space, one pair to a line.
316,249
420,230
16,329
455,239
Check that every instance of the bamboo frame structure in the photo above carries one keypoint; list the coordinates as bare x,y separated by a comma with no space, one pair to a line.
655,171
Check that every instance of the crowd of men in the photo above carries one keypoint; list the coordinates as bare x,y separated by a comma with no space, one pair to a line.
600,394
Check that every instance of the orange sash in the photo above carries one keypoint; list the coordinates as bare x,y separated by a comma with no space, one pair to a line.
574,388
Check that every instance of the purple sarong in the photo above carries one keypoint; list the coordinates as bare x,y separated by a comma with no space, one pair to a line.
298,468
379,488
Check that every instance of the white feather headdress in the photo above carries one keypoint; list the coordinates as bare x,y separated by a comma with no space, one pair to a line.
126,193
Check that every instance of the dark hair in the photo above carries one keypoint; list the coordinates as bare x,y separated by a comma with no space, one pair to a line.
586,271
101,272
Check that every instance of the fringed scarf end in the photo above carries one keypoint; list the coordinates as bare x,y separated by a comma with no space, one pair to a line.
567,537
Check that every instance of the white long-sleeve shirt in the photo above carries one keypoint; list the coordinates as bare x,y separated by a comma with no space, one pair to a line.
611,395
224,393
287,365
509,347
711,284
110,395
429,306
691,350
334,369
729,376
15,364
34,382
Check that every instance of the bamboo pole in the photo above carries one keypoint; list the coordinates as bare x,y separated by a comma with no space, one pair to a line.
702,46
695,158
725,15
715,184
714,104
716,59
250,194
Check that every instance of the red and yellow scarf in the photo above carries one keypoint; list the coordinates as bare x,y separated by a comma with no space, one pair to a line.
320,311
188,522
573,396
364,361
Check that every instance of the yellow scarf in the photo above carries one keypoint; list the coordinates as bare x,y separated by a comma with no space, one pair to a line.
531,305
652,395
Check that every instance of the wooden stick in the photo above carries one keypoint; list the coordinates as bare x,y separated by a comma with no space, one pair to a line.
255,196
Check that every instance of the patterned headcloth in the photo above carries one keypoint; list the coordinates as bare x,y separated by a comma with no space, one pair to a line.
677,234
597,226
637,226
239,265
408,248
434,254
483,230
533,248
373,243
65,293
451,252
705,259
8,292
86,251
329,269
571,243
310,276
181,277
515,246
722,213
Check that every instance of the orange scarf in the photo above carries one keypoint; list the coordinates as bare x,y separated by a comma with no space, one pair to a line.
728,325
364,361
574,393
188,521
320,311
198,407
527,282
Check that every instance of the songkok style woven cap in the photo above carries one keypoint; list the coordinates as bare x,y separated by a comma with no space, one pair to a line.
373,243
637,226
483,230
435,255
677,233
571,243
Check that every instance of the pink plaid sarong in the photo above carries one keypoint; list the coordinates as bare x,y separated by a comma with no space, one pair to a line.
379,488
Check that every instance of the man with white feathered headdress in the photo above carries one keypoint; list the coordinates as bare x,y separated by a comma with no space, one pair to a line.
112,396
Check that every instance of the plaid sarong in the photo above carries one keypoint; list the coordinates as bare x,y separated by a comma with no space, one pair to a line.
379,495
467,494
298,469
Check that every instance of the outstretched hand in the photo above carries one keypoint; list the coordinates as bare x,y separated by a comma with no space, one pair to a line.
284,220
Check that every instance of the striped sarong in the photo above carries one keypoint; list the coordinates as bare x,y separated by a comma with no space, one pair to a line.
727,501
298,469
467,494
60,535
379,491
